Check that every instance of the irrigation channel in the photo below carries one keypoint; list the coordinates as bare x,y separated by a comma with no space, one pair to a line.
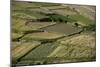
46,48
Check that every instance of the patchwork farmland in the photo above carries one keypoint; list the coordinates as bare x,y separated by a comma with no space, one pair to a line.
46,33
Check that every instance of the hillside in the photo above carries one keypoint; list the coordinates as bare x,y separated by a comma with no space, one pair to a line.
46,33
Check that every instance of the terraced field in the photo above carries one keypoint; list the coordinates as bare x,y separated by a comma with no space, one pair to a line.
22,49
46,33
43,36
64,28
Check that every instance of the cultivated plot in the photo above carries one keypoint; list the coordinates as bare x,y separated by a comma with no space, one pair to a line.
47,33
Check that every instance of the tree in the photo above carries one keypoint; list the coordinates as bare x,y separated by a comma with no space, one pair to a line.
76,24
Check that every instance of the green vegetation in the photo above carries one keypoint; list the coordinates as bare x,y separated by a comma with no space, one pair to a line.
91,27
40,52
44,33
60,18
